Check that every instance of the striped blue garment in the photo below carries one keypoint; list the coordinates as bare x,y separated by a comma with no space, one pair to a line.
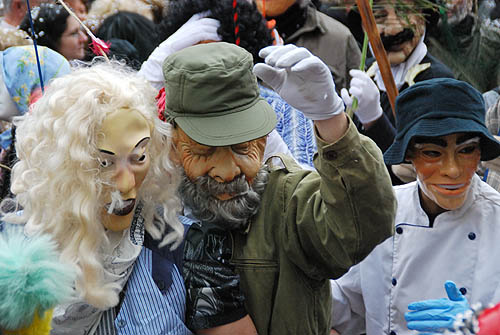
145,310
107,323
296,130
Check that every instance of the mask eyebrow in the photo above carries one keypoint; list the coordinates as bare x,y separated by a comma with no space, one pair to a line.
424,140
107,152
199,146
468,139
141,141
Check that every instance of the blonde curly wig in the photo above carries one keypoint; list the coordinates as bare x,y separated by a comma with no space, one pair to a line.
57,179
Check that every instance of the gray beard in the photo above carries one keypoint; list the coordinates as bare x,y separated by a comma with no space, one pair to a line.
234,213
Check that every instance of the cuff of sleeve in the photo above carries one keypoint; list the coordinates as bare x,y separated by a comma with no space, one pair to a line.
152,73
370,116
340,152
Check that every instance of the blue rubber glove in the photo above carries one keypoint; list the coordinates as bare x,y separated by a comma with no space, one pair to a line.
437,315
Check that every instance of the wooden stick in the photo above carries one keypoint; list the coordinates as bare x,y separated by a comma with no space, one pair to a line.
384,66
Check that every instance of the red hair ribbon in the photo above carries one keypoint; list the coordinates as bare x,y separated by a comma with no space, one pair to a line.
160,104
236,24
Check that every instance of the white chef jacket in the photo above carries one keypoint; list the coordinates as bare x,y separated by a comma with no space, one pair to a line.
463,245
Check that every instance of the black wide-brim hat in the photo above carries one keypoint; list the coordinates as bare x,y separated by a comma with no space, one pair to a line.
440,107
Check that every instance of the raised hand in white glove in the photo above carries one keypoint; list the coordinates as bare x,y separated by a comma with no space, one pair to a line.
368,95
301,79
197,29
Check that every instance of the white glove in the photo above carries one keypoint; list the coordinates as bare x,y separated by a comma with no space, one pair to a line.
301,79
198,28
368,95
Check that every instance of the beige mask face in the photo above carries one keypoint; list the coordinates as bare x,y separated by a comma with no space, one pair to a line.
392,20
124,159
223,164
445,167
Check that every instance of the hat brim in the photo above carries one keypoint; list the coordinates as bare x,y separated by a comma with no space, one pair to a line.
248,124
490,147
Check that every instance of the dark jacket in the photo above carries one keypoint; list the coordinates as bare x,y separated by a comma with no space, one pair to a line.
326,38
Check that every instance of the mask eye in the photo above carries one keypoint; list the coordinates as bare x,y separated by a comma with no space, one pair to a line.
431,153
104,162
141,158
469,149
242,149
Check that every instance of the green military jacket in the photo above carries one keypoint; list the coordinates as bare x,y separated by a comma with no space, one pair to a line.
312,226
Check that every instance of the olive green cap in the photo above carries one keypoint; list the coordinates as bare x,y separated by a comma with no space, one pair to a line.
212,95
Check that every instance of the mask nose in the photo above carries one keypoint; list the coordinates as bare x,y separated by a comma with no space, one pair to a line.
392,23
125,180
450,167
226,169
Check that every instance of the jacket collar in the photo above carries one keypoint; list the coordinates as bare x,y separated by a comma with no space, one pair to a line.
311,23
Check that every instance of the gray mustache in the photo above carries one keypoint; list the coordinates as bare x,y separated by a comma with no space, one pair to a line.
238,186
200,196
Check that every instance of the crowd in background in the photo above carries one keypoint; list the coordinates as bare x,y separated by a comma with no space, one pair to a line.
461,38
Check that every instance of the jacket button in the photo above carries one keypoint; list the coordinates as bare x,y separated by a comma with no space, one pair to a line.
399,230
463,290
330,155
472,236
121,323
394,281
161,285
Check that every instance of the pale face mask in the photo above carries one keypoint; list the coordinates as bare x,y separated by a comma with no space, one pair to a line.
124,160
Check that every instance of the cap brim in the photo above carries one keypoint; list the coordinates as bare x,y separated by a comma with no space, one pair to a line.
249,124
490,147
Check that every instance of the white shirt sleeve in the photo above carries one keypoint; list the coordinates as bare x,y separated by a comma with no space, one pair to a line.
151,69
348,308
276,145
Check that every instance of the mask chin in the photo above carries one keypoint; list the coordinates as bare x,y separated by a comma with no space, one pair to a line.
450,205
8,108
